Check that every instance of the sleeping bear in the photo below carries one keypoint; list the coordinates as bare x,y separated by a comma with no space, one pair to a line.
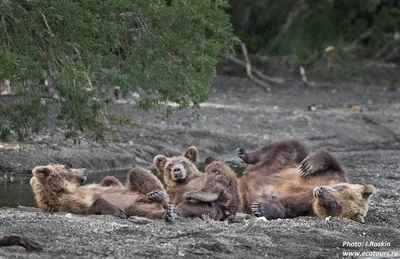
284,180
57,188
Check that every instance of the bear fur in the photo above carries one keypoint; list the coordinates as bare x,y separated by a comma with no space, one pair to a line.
57,189
111,181
219,197
285,181
213,194
180,174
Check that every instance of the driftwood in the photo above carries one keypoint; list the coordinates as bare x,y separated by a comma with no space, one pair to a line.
15,240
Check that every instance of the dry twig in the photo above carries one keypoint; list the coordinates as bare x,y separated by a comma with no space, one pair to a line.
250,70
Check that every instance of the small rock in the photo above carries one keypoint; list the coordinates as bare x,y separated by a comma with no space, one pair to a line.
181,253
68,215
262,219
356,108
130,143
327,218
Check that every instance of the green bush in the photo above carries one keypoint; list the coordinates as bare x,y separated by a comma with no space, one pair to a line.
315,25
164,51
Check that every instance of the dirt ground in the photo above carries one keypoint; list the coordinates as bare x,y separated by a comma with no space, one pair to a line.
359,124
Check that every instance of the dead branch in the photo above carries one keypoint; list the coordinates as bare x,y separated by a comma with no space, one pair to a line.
250,70
304,77
381,53
295,10
354,44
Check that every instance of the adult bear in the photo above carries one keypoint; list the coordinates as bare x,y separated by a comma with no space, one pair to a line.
283,180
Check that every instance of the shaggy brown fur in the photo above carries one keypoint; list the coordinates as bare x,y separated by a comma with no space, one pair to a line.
275,156
343,200
276,187
218,199
180,174
111,181
213,194
57,189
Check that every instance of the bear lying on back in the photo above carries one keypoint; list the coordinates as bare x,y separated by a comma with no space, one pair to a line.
57,189
219,197
284,181
213,194
180,174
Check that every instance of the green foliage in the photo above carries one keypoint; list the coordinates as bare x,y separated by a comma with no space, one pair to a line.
165,52
303,31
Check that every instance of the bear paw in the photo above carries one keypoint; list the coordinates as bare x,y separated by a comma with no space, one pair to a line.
170,215
242,153
157,196
256,209
314,163
269,210
119,213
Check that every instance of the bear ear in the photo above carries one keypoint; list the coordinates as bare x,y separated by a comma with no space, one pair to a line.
159,163
192,154
41,171
368,190
210,159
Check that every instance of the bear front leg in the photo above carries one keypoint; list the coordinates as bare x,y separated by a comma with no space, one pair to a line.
203,196
103,207
320,162
280,153
198,209
269,210
248,158
14,240
158,197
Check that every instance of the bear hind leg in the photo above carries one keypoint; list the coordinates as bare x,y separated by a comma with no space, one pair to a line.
103,207
269,210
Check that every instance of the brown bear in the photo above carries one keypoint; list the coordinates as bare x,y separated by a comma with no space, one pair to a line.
213,194
57,189
284,181
180,174
219,197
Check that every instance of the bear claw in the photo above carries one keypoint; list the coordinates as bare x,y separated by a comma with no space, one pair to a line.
170,215
242,153
307,168
120,214
255,208
156,196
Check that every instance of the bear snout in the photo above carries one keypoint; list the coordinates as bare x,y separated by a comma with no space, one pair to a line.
318,192
177,172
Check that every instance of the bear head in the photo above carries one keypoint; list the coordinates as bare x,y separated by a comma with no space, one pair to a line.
57,178
343,200
177,169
